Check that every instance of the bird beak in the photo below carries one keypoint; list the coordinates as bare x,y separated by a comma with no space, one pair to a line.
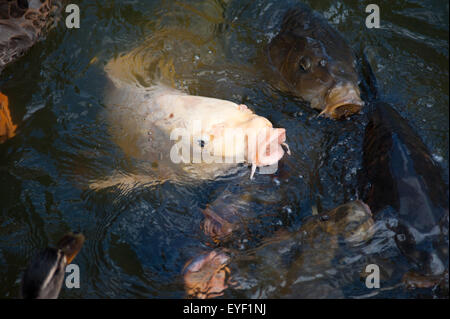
70,245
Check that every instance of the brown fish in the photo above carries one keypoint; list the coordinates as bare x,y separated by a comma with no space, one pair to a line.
226,214
206,275
319,238
314,62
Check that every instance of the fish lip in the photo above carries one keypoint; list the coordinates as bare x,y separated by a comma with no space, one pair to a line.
352,106
366,208
277,138
197,263
365,230
342,100
216,226
203,275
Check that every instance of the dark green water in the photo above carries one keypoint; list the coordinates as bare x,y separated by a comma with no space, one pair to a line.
139,238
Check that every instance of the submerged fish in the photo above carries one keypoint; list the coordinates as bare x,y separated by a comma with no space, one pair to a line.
237,210
314,62
286,257
206,275
225,215
399,172
403,175
147,123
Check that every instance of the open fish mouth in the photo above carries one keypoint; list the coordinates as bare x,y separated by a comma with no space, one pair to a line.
270,151
342,101
206,276
216,226
271,145
343,109
365,230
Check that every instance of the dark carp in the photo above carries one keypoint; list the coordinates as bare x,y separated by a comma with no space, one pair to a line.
400,173
314,62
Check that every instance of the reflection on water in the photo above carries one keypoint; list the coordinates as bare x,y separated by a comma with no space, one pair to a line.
139,235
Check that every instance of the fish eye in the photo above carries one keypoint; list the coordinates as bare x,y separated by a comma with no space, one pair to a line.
304,64
202,143
203,140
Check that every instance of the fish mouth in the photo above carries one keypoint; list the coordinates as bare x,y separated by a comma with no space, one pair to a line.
365,207
342,109
365,230
342,101
216,226
206,275
270,150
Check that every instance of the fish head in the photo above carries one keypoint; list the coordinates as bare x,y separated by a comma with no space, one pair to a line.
206,275
216,224
318,72
353,221
251,139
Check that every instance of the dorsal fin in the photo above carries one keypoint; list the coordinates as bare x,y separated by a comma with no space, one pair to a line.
369,86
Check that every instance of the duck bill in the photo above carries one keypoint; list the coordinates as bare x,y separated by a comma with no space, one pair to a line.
342,101
71,245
